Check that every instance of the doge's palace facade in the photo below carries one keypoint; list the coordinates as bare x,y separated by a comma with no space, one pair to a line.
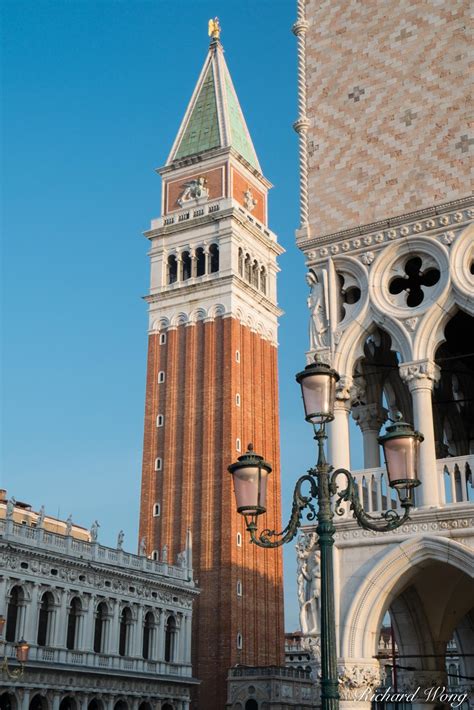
386,230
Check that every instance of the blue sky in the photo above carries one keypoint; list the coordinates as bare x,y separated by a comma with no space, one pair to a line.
93,96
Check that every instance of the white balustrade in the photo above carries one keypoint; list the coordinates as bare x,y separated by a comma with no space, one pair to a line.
456,484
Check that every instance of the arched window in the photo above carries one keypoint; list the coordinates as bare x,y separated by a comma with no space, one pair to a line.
263,280
214,258
13,614
237,399
255,271
239,539
160,420
99,627
162,338
156,510
240,641
241,262
38,702
73,623
238,445
170,638
200,262
239,588
68,703
161,377
248,268
172,269
45,619
155,555
186,265
148,635
158,464
125,632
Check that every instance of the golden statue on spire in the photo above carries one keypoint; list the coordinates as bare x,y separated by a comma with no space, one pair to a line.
214,28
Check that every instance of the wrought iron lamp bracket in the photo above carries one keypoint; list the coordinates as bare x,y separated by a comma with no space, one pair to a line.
13,675
388,520
271,538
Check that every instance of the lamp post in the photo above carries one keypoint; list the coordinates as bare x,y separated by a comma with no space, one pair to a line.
250,472
22,649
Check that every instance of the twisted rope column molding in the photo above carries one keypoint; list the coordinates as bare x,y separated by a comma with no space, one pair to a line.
301,125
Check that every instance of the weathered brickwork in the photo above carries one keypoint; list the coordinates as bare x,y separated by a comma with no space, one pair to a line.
388,109
202,423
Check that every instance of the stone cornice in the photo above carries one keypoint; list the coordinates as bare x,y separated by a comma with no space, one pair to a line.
456,521
202,284
453,213
264,235
92,567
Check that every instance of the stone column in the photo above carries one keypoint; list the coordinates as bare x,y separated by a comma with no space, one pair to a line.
193,265
161,637
25,700
31,617
113,629
370,418
179,268
420,377
138,645
339,451
86,640
61,621
56,701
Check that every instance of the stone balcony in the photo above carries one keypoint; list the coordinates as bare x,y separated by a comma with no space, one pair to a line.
62,658
188,213
455,478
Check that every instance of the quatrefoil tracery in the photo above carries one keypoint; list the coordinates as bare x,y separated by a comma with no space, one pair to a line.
416,277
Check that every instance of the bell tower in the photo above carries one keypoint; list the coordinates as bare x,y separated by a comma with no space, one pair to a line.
212,378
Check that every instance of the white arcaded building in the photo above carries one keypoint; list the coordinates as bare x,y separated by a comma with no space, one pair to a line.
108,630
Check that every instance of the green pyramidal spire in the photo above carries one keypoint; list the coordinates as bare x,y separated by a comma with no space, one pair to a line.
214,118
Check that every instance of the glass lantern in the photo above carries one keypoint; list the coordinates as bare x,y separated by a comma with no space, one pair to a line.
22,651
318,387
401,446
250,473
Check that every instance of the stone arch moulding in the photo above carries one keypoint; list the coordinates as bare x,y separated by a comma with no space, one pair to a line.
362,622
390,265
350,347
351,266
462,260
161,324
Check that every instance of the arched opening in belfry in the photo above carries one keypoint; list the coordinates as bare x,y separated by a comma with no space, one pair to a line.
186,265
453,408
426,638
200,262
378,395
213,258
172,269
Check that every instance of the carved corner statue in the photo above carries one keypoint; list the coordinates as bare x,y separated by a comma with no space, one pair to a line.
69,525
214,28
194,190
309,583
120,539
318,322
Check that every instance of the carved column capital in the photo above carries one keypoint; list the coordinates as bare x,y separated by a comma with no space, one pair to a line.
369,417
343,389
357,678
419,374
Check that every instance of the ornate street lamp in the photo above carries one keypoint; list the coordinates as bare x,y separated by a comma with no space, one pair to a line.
401,448
22,649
